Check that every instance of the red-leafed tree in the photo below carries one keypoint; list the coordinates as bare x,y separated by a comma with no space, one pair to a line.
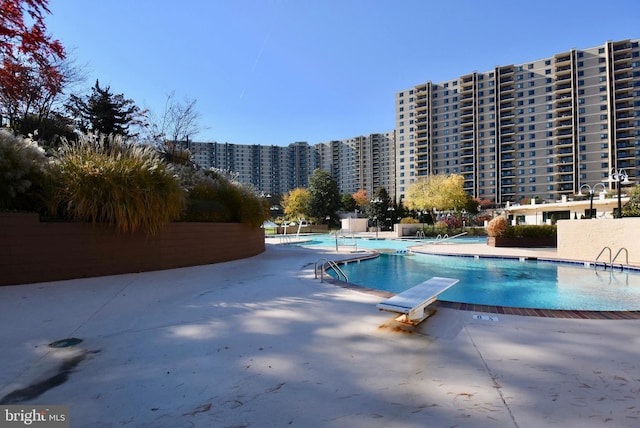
30,74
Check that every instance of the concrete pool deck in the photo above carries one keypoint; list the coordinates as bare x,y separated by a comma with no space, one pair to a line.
260,343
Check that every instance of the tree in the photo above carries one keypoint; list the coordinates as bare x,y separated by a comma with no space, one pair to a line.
632,208
325,196
348,203
361,198
179,121
378,208
30,69
443,192
105,113
296,203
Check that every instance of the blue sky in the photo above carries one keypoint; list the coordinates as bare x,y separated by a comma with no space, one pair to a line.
279,71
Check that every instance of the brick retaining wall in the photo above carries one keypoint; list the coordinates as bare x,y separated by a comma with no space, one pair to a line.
31,251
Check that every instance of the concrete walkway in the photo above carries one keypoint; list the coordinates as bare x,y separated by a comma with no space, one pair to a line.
261,343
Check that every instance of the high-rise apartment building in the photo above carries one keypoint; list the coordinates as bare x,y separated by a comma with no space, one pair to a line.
542,128
269,169
361,163
364,162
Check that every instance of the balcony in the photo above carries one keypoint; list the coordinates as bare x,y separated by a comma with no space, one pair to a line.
624,135
565,159
624,106
622,77
622,47
562,88
623,66
564,142
562,105
625,154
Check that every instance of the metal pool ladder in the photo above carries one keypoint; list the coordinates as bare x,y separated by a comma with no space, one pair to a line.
333,265
595,263
612,260
626,252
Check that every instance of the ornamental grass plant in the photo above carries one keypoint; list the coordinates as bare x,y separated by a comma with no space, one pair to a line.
213,196
22,165
105,180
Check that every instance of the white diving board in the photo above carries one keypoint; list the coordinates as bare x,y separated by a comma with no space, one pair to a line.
413,302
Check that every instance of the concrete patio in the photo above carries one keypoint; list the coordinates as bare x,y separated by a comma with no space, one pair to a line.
260,343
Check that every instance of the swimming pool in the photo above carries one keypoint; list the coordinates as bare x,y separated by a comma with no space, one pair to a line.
499,282
383,244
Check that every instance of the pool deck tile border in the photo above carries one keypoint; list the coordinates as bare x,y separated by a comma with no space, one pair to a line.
545,313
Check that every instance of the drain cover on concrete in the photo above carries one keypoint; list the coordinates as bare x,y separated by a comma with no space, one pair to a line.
64,343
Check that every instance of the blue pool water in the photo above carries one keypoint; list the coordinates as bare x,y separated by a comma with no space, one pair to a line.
382,244
499,282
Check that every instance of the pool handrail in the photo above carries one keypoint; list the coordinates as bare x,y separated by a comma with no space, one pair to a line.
333,265
447,238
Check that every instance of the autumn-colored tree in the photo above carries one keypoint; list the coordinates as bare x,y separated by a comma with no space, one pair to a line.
361,198
443,192
30,58
296,203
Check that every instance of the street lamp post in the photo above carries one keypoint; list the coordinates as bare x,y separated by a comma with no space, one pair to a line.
375,218
619,176
591,191
376,201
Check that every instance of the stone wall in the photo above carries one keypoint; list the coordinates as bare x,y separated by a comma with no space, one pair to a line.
584,239
31,251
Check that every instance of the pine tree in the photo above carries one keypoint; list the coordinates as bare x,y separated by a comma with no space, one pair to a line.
103,112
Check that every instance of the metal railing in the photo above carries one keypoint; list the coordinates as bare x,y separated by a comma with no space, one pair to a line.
595,263
626,252
441,239
333,265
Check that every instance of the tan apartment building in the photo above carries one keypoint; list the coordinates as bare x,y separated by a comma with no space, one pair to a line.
542,128
363,162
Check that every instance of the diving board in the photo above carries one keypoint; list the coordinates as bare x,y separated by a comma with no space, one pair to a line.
413,302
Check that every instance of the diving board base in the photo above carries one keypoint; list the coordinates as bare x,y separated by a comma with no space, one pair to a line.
412,304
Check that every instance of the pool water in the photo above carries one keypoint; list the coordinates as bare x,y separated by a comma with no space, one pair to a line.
382,244
492,281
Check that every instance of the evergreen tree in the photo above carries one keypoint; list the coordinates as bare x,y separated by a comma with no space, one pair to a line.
104,112
379,205
325,196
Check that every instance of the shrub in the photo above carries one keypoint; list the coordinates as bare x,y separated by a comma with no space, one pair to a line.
214,197
105,180
409,220
497,226
531,231
632,208
22,163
